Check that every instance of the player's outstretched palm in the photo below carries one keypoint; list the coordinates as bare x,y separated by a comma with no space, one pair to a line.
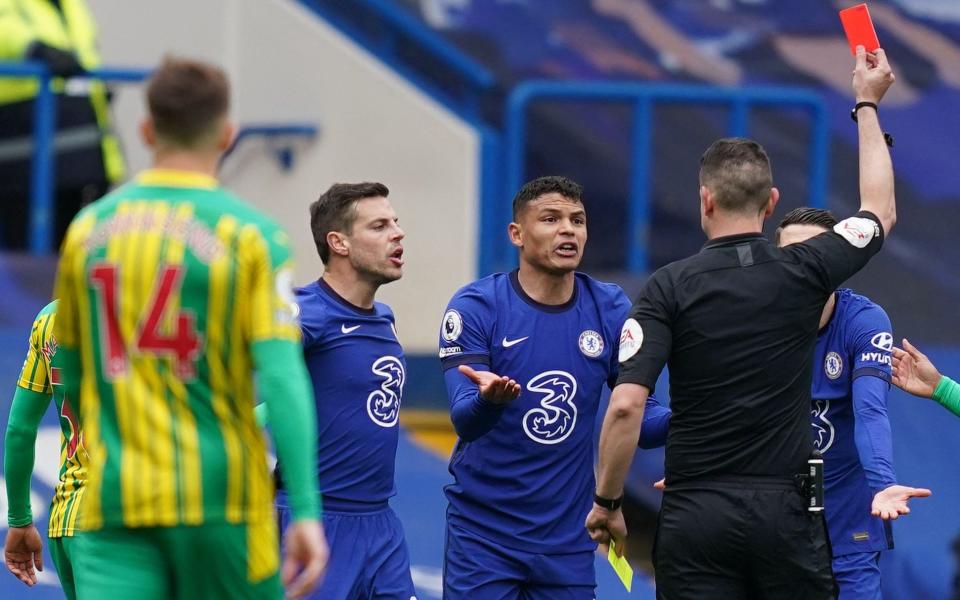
913,372
23,552
892,502
305,557
494,388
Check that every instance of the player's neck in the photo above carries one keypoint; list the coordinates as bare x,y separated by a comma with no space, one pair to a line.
723,226
205,163
828,309
546,288
350,286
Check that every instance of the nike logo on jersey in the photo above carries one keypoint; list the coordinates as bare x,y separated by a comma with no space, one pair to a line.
507,343
346,329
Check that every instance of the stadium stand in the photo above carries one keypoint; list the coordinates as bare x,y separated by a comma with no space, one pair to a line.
717,42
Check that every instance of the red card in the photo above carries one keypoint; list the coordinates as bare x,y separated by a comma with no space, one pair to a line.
859,28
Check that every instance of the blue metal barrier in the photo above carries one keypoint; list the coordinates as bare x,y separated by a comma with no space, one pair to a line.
284,153
645,96
44,130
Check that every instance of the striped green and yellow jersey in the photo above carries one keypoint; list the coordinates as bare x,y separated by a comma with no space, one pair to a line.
37,375
164,285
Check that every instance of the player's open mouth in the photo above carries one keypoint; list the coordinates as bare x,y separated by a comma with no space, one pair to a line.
397,257
567,250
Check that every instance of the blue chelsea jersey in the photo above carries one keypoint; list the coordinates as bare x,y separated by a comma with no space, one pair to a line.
358,370
528,482
856,342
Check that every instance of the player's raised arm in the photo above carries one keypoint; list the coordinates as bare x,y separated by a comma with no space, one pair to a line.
872,76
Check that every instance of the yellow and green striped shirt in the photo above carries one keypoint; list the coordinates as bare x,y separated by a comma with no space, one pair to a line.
37,375
164,285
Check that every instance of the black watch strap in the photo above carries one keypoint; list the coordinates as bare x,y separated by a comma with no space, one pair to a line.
887,138
607,503
859,105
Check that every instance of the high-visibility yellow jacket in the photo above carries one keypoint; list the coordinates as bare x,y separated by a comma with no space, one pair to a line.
69,27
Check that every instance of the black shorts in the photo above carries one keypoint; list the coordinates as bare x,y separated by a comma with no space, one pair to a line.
740,538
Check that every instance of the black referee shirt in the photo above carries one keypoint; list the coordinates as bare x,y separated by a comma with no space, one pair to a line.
737,324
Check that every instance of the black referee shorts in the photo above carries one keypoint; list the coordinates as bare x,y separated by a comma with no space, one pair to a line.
740,538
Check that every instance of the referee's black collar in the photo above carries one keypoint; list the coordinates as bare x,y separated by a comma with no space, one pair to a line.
729,240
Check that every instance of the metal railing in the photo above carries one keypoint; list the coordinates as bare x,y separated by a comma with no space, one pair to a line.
645,96
405,30
43,161
43,156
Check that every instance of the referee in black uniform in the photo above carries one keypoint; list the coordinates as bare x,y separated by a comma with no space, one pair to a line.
737,324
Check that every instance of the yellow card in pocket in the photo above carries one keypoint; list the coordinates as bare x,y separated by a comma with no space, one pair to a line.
620,565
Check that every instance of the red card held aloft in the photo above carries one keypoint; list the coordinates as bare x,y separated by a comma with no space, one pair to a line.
859,28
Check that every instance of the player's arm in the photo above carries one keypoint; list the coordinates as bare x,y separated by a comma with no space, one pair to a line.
656,424
283,385
645,343
477,395
871,381
23,546
947,393
915,374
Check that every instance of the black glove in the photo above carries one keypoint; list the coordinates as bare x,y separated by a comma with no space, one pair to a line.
60,62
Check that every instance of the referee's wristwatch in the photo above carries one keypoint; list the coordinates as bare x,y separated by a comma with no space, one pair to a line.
887,138
607,503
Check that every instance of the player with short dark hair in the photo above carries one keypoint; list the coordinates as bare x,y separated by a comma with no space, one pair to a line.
851,377
172,292
335,210
525,356
358,370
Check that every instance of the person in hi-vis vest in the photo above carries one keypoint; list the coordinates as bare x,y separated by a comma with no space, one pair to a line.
61,34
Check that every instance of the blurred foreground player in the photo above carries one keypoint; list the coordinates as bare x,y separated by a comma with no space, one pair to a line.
525,356
738,324
39,382
172,293
851,378
914,373
358,371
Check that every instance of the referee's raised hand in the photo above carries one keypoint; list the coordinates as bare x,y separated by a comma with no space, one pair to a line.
494,388
872,75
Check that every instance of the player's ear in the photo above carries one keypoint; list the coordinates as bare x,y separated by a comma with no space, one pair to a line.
707,203
338,243
227,133
515,233
148,132
772,202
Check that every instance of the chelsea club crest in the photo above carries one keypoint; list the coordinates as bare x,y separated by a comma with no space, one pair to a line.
833,365
591,344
